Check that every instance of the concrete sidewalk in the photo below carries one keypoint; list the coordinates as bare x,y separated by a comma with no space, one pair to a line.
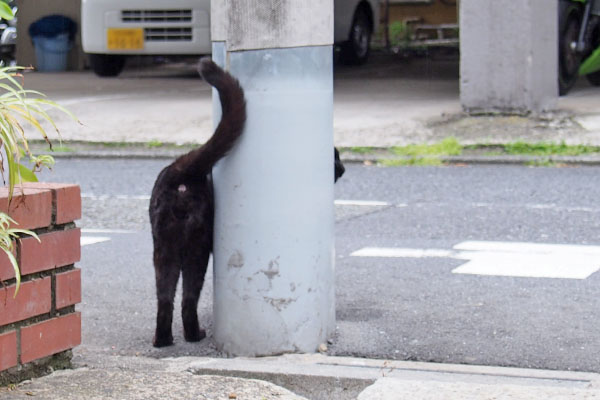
389,101
300,376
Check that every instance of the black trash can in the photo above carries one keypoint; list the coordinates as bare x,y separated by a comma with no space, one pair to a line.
52,38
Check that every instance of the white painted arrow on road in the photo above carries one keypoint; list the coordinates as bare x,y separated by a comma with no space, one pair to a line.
531,260
86,240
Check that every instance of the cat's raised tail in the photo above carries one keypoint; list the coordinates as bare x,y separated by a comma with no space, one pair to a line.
233,118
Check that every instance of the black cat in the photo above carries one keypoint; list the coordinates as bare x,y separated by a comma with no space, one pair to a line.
182,211
182,208
338,167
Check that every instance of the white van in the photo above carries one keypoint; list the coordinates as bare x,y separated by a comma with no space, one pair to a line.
111,30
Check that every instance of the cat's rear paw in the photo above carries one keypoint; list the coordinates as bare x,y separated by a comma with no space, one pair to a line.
194,336
159,341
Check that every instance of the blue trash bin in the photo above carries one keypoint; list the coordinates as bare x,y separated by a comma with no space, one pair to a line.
52,38
51,52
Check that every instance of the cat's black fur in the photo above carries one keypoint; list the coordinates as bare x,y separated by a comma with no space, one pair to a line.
338,167
182,208
182,211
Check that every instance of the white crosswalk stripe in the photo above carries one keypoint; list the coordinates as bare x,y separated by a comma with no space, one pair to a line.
531,260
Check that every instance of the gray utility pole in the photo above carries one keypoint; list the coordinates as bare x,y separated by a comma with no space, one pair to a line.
509,55
274,217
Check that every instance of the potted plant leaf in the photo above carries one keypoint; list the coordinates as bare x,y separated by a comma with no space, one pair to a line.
21,110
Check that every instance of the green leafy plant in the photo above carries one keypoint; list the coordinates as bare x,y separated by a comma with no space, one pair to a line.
20,109
5,11
7,237
400,34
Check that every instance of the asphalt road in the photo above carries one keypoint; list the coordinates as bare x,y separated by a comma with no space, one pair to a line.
412,307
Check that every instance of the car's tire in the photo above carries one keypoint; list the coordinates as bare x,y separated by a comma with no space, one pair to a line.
569,20
107,64
356,50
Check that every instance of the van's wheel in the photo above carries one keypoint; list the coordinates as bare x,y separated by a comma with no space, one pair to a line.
107,64
356,50
568,58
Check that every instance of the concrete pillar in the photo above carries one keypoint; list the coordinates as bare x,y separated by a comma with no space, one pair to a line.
273,239
509,55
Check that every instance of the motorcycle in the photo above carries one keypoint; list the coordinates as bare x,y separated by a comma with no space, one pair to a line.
578,42
8,39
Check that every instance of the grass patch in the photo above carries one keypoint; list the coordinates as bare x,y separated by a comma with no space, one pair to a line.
154,144
547,149
447,147
112,144
541,163
423,154
63,149
411,161
432,154
361,150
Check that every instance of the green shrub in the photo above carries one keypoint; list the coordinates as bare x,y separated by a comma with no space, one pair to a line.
21,111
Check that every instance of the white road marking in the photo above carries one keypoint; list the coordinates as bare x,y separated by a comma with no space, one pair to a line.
366,203
94,99
526,248
134,197
539,206
526,206
85,240
401,253
375,203
84,230
532,260
93,196
361,203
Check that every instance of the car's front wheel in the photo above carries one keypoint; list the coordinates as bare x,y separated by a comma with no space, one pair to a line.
356,50
107,64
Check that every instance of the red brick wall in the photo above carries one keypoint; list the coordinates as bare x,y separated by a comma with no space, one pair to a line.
41,320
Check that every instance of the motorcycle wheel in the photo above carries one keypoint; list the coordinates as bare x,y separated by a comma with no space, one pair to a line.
569,20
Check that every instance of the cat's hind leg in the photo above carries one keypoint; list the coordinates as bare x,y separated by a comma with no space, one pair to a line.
167,275
193,272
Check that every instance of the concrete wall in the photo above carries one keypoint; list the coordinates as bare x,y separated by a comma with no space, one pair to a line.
509,56
30,11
